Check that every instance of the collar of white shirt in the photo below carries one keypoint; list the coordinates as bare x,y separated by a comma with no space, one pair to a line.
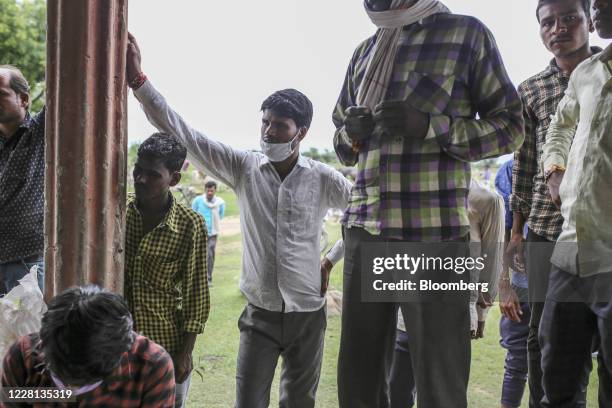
302,162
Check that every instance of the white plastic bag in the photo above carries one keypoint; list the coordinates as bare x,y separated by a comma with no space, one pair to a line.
21,311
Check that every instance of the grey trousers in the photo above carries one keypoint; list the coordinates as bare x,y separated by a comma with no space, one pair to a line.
439,341
181,390
210,255
264,336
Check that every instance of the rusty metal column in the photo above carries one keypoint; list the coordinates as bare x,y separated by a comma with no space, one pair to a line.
86,144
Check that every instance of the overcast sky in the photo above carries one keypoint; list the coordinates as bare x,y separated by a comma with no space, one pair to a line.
215,61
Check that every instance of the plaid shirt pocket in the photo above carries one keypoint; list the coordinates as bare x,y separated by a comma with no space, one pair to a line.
161,273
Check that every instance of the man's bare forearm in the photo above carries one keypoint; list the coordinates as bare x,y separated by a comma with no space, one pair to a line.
518,223
189,340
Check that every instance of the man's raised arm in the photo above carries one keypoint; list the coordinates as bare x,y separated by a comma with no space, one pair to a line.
218,159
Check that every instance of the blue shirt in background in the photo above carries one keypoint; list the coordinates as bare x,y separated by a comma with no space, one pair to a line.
199,205
503,184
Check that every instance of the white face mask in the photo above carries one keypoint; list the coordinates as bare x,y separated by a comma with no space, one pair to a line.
277,152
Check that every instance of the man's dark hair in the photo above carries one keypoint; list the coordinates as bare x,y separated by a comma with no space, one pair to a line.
210,184
586,5
290,103
165,147
18,83
84,333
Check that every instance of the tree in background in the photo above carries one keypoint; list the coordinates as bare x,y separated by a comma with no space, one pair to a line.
23,42
326,156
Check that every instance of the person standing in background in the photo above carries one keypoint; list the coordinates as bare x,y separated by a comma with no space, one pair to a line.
486,214
212,208
513,302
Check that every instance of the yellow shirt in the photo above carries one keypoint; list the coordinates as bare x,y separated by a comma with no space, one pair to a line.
165,275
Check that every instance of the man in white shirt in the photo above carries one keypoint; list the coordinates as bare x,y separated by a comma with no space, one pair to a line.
283,198
577,161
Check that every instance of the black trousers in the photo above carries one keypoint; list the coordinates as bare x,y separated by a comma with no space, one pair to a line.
401,378
439,342
567,333
538,254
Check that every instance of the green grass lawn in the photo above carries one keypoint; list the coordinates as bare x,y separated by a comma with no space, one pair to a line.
231,203
216,349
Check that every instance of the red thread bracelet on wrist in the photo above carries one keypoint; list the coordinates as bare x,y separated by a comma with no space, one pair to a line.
138,81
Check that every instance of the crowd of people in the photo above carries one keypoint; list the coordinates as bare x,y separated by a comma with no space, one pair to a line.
423,97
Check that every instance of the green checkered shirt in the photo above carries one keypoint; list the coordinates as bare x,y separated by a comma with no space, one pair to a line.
447,66
165,275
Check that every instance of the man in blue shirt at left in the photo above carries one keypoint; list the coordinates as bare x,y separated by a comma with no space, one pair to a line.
212,208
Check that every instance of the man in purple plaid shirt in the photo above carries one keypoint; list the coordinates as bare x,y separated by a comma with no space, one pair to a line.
413,142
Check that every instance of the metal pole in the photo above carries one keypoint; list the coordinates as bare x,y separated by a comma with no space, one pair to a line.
86,144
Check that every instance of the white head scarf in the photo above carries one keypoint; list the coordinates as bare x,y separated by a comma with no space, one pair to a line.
380,64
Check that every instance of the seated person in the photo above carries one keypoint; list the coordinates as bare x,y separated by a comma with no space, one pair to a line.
86,343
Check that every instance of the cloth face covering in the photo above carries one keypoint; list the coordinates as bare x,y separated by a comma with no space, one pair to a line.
277,152
390,23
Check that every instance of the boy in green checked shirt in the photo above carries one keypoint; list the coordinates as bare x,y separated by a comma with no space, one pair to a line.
165,261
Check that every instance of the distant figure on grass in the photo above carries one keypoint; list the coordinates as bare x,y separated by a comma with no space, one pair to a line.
165,258
86,344
283,198
212,208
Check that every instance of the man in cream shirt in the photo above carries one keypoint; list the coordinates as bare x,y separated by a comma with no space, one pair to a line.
577,161
283,198
486,214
